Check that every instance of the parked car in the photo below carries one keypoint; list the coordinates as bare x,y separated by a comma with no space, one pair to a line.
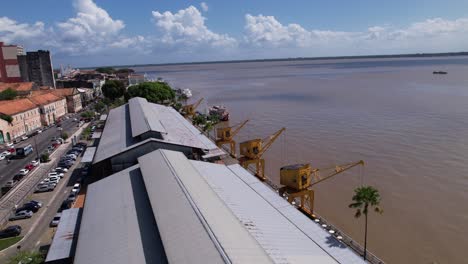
18,177
76,188
65,164
60,170
17,140
56,220
71,197
6,153
65,205
24,138
39,131
10,183
44,188
2,157
24,171
9,144
54,179
59,128
35,202
56,174
71,156
10,231
28,207
21,215
29,167
35,163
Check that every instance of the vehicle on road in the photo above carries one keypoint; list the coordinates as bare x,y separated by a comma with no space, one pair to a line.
75,119
24,151
60,170
28,207
29,167
9,144
56,220
35,202
71,156
44,188
76,188
6,153
59,128
24,138
39,131
56,174
10,183
35,163
18,177
17,140
10,231
23,171
2,157
65,164
71,197
54,179
21,215
65,205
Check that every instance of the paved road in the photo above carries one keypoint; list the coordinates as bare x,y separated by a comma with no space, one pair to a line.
7,171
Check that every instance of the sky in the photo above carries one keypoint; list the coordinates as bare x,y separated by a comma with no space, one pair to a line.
103,32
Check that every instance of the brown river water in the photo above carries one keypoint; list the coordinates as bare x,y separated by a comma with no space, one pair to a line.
409,125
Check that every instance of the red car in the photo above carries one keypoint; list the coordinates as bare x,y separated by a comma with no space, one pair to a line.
29,167
11,150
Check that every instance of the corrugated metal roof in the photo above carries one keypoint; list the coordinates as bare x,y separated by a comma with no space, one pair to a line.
143,118
287,235
118,134
88,155
118,224
65,236
195,225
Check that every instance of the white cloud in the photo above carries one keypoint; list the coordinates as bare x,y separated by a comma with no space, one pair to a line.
187,27
11,31
204,6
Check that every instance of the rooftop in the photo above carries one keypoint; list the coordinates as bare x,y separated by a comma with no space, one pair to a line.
65,237
64,92
139,122
43,98
21,86
13,107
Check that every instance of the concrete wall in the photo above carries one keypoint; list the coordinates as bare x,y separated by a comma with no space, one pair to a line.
53,111
25,122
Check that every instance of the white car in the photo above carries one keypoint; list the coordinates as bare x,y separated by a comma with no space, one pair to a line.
56,220
21,215
59,128
9,144
2,157
76,188
39,131
54,178
35,163
24,171
56,174
6,153
60,169
24,137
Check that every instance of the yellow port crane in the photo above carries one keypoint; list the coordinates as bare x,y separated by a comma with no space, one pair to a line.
189,110
253,150
226,136
297,179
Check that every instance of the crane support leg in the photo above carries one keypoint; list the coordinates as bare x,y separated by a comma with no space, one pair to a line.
306,203
259,167
232,144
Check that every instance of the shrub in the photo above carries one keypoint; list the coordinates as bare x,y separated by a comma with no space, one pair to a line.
45,157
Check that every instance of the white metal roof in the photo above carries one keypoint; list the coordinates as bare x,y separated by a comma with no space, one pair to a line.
118,225
65,236
194,224
143,118
88,155
287,235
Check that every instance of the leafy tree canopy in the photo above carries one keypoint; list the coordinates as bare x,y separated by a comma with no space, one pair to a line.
30,257
108,70
154,92
8,94
7,118
113,89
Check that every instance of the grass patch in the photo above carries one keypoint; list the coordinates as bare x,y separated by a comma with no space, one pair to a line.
6,242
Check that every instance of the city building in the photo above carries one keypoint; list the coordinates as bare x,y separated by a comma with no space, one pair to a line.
140,127
25,118
23,89
51,106
73,98
9,67
169,209
87,95
36,66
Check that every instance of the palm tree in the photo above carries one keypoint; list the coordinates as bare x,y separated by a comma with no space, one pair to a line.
363,197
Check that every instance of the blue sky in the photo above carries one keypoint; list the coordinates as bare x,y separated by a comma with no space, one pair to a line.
104,32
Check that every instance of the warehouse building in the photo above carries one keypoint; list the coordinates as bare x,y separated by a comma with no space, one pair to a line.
169,209
139,127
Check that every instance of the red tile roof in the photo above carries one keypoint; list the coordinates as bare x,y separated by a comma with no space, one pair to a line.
12,107
42,97
21,86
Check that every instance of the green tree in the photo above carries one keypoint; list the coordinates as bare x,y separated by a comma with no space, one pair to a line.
45,157
8,94
154,92
364,197
65,135
113,89
99,106
27,257
87,114
7,118
108,70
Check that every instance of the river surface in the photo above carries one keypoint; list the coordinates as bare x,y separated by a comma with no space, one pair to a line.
409,125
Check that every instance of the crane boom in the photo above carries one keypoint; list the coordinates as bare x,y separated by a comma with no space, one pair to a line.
234,133
195,105
271,139
337,170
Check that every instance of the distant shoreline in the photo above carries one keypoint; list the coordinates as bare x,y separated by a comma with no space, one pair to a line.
414,55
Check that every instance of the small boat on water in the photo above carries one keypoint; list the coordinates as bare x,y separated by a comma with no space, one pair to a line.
187,92
221,111
439,72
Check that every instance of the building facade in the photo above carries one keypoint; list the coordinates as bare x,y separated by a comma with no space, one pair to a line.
51,107
73,98
9,67
25,119
36,67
